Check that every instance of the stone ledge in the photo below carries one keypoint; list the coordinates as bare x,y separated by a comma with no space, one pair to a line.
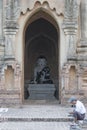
9,92
13,119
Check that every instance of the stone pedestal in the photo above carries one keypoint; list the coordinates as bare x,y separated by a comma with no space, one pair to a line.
41,91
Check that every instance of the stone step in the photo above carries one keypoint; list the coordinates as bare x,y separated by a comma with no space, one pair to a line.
35,126
36,113
14,119
36,117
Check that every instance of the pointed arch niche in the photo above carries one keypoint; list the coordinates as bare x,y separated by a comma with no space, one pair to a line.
41,38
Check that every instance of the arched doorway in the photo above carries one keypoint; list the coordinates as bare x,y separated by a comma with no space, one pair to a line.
41,39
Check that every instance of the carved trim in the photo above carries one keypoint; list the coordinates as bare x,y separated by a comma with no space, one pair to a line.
71,9
71,15
12,9
67,67
14,66
44,5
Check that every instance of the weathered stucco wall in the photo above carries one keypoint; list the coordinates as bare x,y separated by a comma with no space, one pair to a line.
69,19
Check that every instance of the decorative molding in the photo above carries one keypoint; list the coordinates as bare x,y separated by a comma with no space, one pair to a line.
42,5
71,9
68,65
12,9
71,15
79,70
17,73
12,14
70,26
11,24
15,65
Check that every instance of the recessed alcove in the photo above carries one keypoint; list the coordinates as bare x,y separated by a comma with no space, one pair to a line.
41,38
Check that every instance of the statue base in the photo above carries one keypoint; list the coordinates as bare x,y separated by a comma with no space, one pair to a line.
41,91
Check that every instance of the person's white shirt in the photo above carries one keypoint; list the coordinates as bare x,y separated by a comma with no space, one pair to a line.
79,107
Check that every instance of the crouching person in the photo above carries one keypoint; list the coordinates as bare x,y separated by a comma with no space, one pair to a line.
79,109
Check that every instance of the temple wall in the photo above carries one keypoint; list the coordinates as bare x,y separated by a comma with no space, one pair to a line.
69,19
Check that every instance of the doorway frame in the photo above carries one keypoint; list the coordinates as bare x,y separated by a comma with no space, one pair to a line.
25,20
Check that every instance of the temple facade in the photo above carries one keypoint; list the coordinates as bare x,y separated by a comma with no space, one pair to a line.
55,29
